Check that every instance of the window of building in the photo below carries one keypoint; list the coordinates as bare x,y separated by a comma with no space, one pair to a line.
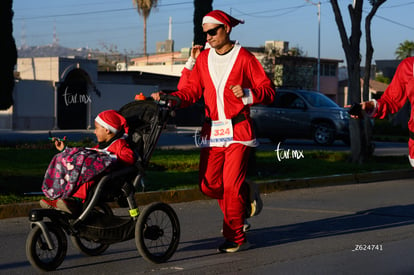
328,70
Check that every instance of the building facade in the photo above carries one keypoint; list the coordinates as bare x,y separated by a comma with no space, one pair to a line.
68,93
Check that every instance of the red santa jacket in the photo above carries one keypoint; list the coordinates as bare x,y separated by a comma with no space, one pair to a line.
185,75
242,69
123,152
400,89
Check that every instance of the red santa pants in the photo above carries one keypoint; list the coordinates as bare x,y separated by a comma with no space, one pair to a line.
82,191
222,176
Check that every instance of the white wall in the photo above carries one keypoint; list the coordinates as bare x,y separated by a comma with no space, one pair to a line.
33,105
174,70
39,68
34,96
54,68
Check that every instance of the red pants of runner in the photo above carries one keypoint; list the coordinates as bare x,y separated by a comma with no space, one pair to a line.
222,176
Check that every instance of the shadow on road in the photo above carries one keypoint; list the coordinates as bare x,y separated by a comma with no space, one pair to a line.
368,220
373,219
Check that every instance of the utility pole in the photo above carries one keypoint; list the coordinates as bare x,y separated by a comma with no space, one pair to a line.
318,80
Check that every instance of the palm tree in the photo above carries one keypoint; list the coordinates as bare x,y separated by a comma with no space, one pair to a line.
405,49
144,8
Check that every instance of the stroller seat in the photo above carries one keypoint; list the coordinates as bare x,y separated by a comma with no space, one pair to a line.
145,120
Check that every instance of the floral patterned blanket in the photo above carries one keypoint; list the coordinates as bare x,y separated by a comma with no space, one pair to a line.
71,168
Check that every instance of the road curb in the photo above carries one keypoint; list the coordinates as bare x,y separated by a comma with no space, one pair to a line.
187,195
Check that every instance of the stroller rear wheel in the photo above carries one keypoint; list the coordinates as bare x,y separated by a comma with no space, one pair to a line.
90,247
38,252
157,232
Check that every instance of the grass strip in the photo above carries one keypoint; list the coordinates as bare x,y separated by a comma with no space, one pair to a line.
22,169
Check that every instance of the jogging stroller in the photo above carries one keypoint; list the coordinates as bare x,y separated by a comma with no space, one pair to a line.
156,229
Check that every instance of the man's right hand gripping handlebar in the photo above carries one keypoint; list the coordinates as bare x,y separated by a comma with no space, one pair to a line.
161,96
357,110
157,96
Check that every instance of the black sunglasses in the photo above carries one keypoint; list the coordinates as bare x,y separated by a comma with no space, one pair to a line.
213,32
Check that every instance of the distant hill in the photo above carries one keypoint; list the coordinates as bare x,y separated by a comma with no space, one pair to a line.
106,61
53,50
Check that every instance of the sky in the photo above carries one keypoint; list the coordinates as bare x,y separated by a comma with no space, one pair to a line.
98,24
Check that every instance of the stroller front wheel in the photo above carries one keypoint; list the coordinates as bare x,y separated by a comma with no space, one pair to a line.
157,232
38,252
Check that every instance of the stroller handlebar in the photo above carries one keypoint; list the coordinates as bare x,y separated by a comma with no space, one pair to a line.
166,98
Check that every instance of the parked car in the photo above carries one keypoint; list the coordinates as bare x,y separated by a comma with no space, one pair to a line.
301,114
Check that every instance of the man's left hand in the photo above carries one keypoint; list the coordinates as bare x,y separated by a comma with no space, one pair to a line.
237,90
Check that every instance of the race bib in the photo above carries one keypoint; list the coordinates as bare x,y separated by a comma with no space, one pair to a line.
221,132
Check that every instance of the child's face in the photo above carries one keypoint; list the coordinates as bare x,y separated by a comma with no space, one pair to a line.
102,134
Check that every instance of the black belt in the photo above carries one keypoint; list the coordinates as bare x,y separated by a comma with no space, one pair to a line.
239,118
411,135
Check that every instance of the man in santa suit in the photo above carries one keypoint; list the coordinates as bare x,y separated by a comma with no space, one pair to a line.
230,79
395,96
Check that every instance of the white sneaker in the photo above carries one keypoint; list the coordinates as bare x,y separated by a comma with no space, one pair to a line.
246,226
231,247
256,203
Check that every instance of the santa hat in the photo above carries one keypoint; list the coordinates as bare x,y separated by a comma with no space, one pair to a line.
220,17
112,121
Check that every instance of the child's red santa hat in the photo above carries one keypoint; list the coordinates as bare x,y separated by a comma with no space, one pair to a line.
113,121
220,17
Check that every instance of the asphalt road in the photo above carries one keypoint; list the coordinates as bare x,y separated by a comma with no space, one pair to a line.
348,229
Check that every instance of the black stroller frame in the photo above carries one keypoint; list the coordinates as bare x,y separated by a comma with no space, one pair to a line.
156,229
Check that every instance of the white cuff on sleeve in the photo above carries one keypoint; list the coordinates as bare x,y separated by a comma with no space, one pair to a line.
248,97
190,63
374,111
411,161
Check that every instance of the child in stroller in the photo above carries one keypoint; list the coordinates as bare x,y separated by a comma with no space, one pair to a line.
73,171
155,227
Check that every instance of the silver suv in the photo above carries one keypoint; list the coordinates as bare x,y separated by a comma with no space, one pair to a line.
301,114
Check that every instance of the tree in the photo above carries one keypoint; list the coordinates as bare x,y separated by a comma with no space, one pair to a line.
367,126
9,53
369,48
361,146
405,49
144,8
382,79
